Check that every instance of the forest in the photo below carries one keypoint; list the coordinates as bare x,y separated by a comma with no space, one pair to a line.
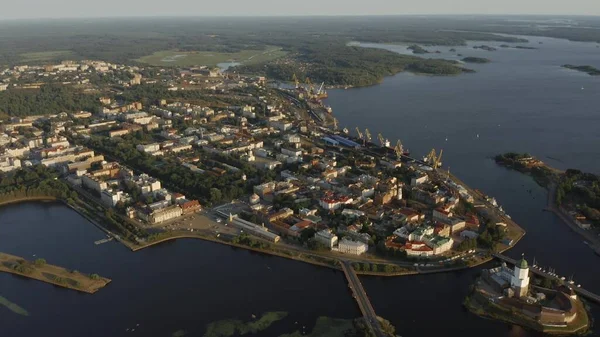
36,181
49,99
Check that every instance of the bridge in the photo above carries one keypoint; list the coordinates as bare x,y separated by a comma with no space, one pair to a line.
361,298
579,291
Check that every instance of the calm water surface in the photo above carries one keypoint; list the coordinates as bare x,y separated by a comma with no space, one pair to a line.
522,101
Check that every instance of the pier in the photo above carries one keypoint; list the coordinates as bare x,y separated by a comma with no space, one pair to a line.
579,291
362,299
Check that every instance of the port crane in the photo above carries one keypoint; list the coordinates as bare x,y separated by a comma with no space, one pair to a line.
296,82
399,149
433,159
320,91
309,86
335,123
438,160
367,136
360,135
384,142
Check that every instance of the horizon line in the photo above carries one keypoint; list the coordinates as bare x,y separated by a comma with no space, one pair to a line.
257,16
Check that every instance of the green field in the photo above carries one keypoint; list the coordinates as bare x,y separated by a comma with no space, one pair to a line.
46,55
207,58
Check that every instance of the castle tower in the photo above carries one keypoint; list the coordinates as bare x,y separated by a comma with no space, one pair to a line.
520,279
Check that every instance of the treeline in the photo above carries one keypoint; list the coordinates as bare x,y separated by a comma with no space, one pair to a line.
338,64
582,189
377,267
36,181
49,99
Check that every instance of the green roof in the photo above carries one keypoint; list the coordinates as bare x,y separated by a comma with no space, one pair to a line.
522,264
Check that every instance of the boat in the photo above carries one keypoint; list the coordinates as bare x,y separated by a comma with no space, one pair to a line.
406,152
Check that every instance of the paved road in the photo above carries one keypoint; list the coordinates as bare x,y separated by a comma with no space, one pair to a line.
362,299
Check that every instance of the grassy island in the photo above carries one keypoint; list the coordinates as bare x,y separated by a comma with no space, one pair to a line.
416,49
484,47
585,69
526,163
471,59
40,270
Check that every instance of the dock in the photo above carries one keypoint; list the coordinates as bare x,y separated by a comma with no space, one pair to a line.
579,291
99,242
362,299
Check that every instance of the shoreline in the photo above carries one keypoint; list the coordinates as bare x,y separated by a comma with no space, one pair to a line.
558,211
134,247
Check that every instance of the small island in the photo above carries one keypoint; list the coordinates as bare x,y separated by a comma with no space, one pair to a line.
471,59
40,270
585,69
521,297
416,49
484,47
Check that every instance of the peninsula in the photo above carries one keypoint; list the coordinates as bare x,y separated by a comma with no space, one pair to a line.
586,69
573,195
41,271
513,296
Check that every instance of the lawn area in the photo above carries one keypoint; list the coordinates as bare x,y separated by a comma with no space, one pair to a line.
46,55
211,59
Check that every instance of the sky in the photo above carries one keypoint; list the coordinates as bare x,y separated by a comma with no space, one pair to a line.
28,9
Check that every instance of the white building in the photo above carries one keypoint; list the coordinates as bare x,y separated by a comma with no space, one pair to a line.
93,183
111,198
352,247
327,238
415,181
520,278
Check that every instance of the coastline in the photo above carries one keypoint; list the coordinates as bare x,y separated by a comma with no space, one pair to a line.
551,206
289,254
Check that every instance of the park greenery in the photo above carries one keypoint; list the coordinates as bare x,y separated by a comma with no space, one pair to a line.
49,99
31,182
377,268
208,189
582,190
